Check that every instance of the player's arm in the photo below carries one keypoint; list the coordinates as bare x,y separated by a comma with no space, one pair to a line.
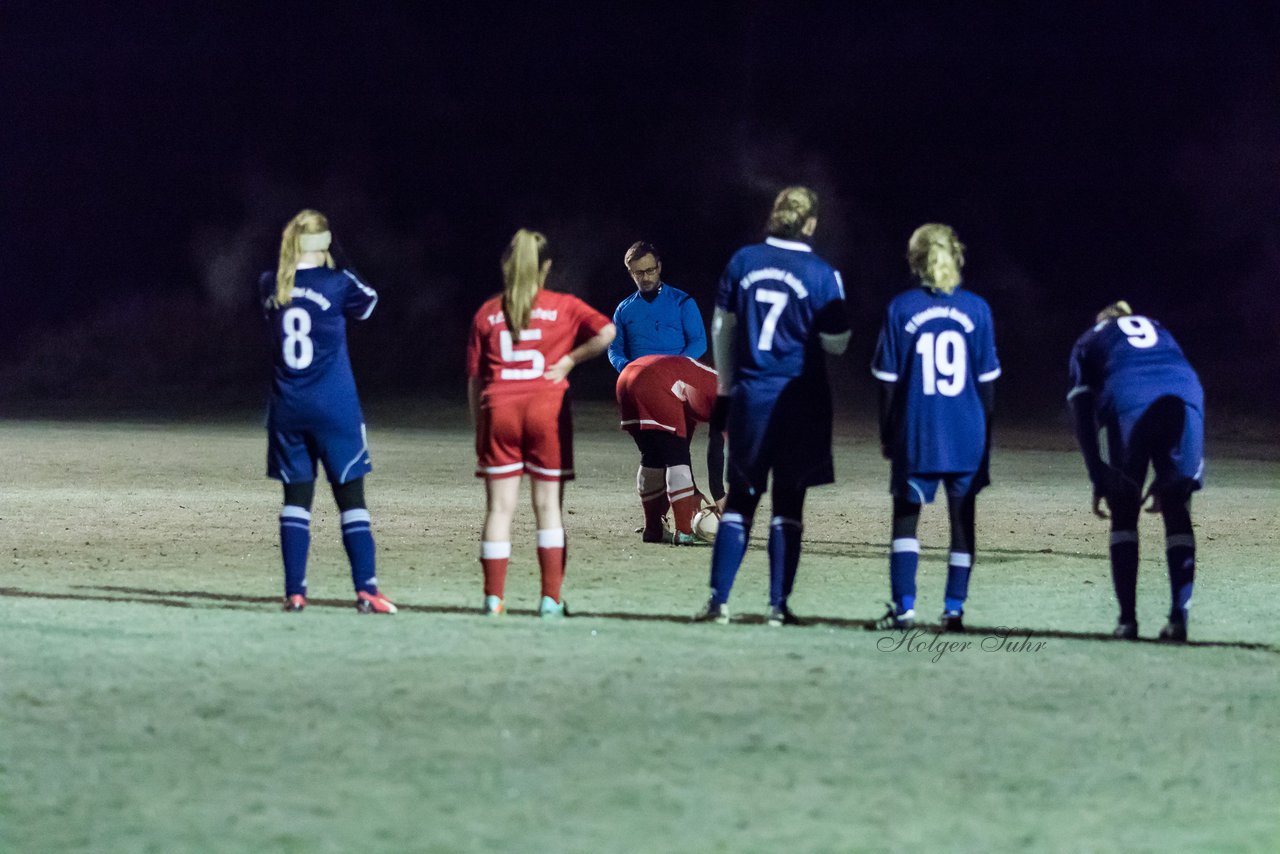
618,347
474,386
724,324
832,320
884,369
1083,411
695,337
589,349
715,467
360,299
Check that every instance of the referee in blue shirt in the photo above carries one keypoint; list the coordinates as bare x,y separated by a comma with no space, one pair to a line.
657,318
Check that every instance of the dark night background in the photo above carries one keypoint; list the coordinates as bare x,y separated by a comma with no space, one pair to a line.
151,152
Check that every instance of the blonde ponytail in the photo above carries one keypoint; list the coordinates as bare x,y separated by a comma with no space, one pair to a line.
305,222
936,255
791,209
522,278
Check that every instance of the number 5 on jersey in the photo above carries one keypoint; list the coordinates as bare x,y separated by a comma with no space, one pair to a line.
511,354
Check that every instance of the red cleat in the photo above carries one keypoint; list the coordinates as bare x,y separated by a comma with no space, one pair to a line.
295,603
374,603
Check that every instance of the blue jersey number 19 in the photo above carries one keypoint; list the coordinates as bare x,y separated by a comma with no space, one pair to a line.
944,361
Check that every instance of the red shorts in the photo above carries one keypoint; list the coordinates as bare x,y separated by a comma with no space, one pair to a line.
645,405
525,433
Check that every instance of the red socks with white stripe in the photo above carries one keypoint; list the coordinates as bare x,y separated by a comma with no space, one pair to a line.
494,557
652,488
551,554
683,496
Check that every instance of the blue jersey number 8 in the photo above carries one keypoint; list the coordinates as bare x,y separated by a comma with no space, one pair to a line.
299,350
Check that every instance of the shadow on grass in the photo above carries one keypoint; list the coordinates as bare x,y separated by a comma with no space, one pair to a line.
239,602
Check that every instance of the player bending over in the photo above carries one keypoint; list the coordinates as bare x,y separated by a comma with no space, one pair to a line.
936,362
1130,379
314,412
522,346
661,400
779,307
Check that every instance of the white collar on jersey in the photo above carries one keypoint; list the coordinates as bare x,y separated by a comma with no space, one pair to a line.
788,244
309,266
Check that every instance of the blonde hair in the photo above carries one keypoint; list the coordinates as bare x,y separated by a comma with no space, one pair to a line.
304,222
922,258
522,277
791,209
1119,308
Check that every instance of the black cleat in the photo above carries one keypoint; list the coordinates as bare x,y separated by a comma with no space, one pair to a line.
781,615
1174,632
893,621
713,612
295,603
1126,631
952,621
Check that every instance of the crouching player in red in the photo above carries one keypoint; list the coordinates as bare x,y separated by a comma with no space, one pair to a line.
522,346
661,399
314,413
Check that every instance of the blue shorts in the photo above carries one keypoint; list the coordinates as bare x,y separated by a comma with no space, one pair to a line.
1168,435
292,454
786,432
921,488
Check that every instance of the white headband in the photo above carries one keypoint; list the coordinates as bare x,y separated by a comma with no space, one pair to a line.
315,242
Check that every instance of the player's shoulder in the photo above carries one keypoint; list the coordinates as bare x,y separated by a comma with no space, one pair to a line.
557,299
628,301
968,297
488,308
674,294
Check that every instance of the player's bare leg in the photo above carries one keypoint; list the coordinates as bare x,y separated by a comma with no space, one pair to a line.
501,496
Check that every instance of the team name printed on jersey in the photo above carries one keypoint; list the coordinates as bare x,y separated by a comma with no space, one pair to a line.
939,313
548,315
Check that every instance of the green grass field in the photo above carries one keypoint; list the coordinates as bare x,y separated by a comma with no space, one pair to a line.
153,698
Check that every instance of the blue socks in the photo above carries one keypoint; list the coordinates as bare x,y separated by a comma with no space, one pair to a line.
1180,549
1124,573
959,565
904,557
295,542
784,557
726,555
357,538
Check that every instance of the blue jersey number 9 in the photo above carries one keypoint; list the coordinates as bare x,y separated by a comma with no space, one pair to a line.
1140,331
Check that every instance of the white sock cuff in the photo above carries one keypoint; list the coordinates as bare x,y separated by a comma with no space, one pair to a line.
551,538
783,520
357,515
494,551
650,482
906,544
960,559
1118,537
679,478
733,519
293,511
1173,541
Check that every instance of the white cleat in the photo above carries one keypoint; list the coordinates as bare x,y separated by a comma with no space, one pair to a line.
493,606
550,609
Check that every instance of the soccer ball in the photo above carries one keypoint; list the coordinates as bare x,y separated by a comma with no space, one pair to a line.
705,524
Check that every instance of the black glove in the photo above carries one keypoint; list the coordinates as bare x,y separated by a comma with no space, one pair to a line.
720,414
